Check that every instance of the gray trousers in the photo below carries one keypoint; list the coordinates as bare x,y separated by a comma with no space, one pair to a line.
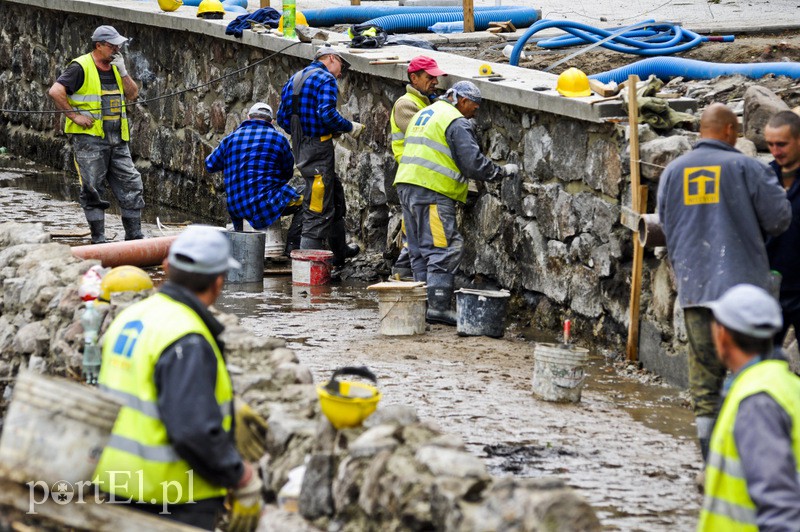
434,243
100,161
323,206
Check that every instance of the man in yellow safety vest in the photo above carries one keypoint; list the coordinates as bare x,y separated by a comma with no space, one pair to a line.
172,449
753,470
441,152
92,92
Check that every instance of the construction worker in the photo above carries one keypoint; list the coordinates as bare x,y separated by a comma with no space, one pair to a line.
258,164
715,204
753,468
308,112
441,152
92,91
172,447
423,76
782,134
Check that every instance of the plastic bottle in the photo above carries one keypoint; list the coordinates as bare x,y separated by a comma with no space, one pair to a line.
447,27
289,13
90,283
91,320
510,48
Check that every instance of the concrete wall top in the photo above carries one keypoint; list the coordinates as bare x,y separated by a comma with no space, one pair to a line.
524,88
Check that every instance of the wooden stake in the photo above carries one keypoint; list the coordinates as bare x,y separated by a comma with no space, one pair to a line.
469,16
639,204
265,3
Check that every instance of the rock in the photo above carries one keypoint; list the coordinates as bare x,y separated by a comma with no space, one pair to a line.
663,292
450,462
760,104
658,153
395,414
374,441
746,146
316,498
370,488
603,165
32,339
277,520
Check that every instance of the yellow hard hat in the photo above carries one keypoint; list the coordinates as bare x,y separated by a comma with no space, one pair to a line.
169,5
124,279
210,9
573,83
345,403
299,20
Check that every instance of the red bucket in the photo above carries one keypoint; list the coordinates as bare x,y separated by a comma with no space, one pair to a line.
311,267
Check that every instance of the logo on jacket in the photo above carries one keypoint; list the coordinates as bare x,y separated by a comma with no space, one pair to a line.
127,338
701,185
423,117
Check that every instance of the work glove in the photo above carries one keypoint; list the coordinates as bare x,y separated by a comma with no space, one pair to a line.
251,431
510,170
246,502
119,62
358,128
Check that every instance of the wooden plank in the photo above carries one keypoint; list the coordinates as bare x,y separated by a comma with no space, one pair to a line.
639,201
629,218
601,89
633,121
469,16
265,3
390,62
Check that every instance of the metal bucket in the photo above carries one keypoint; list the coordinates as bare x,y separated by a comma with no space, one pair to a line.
559,372
401,308
55,429
248,249
481,312
274,245
311,267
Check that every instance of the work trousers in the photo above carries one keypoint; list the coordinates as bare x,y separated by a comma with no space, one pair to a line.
107,160
323,204
434,243
706,372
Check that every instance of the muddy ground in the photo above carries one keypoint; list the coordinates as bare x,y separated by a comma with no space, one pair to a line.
627,447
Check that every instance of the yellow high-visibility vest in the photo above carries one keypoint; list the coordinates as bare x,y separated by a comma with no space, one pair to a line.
139,462
727,504
88,101
398,136
427,160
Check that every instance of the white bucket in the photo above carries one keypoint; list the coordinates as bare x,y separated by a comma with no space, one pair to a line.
55,429
558,372
401,307
274,246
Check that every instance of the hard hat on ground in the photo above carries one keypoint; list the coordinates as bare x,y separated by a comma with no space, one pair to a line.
210,9
573,83
124,279
348,403
299,20
169,5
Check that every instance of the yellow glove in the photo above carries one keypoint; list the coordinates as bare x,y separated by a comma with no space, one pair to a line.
246,502
251,431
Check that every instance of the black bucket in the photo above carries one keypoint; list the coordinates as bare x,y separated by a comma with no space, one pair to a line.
481,312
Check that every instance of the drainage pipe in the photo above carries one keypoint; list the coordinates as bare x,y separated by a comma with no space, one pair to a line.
651,234
145,252
670,67
332,16
520,17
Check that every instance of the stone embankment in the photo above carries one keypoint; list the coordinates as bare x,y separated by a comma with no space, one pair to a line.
396,473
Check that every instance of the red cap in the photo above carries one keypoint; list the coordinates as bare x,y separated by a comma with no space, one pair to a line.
427,64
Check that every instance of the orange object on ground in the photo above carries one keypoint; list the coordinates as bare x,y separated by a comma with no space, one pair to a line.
144,252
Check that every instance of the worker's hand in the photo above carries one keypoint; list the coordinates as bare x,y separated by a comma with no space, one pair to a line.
246,502
358,128
119,62
84,121
510,170
251,431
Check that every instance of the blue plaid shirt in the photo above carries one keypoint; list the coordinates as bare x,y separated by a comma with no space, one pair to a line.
258,165
318,114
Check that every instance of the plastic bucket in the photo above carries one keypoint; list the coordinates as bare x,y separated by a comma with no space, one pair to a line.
55,429
248,249
559,372
273,246
311,267
481,312
401,308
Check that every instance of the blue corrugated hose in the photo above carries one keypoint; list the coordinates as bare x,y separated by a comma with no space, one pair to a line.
520,17
669,67
359,14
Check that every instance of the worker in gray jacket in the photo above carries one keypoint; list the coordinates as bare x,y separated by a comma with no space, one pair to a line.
715,205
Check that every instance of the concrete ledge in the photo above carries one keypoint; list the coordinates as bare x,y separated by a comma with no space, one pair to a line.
523,88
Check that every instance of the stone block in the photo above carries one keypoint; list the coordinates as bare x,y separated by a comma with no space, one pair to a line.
32,339
538,145
392,414
663,292
658,153
760,104
568,158
672,367
747,147
316,496
218,116
450,462
603,165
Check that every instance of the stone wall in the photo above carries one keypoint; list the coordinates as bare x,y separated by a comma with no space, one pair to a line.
396,473
551,235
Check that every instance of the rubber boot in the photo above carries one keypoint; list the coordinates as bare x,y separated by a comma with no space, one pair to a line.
338,243
311,243
293,237
440,293
705,425
133,228
98,229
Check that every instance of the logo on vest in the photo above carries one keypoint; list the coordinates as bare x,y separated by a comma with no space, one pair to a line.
423,117
701,185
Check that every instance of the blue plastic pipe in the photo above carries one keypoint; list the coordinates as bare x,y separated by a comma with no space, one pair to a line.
418,22
670,67
665,39
332,16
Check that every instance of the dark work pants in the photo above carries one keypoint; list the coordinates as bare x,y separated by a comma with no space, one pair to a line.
323,199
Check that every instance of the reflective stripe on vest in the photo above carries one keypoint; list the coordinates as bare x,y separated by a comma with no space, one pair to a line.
398,136
727,504
427,161
87,100
139,444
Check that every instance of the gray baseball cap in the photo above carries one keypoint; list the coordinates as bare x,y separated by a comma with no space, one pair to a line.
327,49
108,34
749,310
202,249
260,109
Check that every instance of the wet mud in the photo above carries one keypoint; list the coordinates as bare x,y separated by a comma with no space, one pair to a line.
627,447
